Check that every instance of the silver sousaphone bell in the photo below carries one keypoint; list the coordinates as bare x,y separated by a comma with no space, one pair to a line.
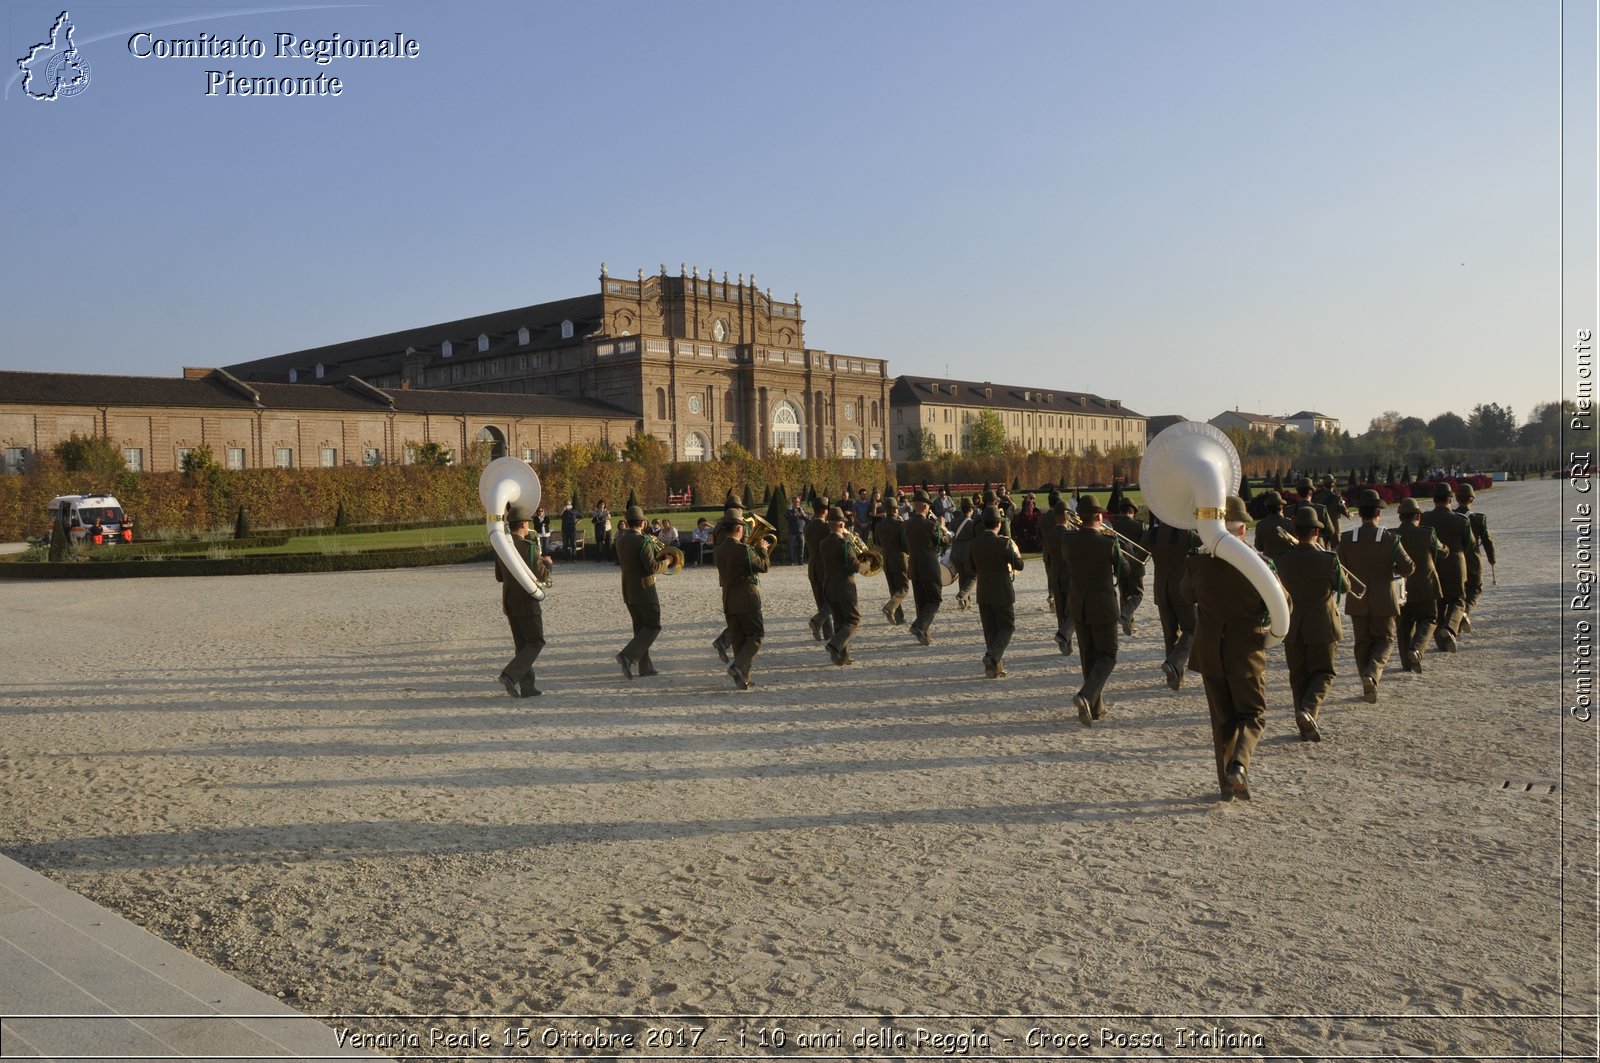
504,481
1187,474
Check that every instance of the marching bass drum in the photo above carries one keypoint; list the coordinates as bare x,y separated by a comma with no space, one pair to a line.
947,574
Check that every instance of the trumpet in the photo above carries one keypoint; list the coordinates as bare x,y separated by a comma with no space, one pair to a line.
760,532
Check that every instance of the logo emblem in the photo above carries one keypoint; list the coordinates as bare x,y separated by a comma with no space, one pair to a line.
55,69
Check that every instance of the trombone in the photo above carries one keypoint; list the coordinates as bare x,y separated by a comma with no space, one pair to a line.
1139,555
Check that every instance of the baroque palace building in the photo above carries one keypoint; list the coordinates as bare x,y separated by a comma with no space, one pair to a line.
1057,422
698,361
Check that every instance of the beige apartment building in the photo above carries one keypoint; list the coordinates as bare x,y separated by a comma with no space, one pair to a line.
699,362
1047,419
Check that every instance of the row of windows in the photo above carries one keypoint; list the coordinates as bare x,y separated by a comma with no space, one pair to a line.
1019,420
1055,446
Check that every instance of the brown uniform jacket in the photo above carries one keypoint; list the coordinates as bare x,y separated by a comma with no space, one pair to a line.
1455,533
1092,560
1480,531
993,557
1375,557
1423,547
925,538
1275,534
815,531
642,561
1311,578
737,568
890,535
839,568
513,599
1231,625
1050,546
1169,549
1133,528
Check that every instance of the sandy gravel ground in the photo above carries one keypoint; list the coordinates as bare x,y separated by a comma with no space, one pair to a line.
315,783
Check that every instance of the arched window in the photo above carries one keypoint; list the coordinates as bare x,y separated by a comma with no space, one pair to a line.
491,435
483,341
522,335
566,330
661,404
447,348
786,435
695,448
874,413
851,448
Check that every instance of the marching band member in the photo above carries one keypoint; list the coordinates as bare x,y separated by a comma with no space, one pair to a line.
1480,535
1455,532
1169,549
926,538
840,564
816,531
523,611
1420,612
1375,557
1093,560
995,557
1230,653
1311,578
1130,588
890,535
642,560
738,568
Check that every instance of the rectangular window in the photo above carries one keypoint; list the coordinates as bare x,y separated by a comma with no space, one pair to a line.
457,373
133,458
16,462
530,455
410,455
330,457
372,456
283,458
235,457
183,456
522,361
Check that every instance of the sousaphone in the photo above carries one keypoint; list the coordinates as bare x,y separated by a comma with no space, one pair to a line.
1187,474
502,482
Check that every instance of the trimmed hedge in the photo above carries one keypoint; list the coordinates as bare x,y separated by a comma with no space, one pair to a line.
259,565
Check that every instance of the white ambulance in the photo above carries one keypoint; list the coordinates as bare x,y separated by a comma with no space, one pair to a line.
94,519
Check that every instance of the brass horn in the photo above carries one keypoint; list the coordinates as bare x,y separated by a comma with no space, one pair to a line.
759,531
502,482
865,554
1187,473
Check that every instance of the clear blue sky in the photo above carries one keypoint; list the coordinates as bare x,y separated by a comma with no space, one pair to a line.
1189,206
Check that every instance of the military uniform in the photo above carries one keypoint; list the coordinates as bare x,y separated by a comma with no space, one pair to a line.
1311,579
1057,578
642,560
925,538
738,572
817,530
1130,588
960,557
1169,551
1330,530
1092,559
1230,653
1274,531
1480,535
1375,557
995,558
1420,612
526,617
1455,534
1333,504
890,536
839,568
